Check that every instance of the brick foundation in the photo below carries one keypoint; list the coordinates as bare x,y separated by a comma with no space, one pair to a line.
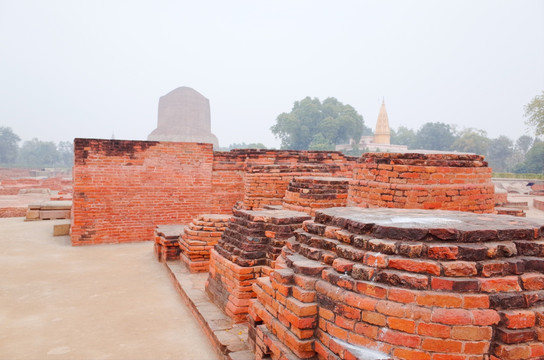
418,181
167,242
198,238
409,284
247,250
12,211
309,193
538,204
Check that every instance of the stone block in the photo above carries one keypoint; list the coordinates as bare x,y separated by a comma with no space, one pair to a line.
61,229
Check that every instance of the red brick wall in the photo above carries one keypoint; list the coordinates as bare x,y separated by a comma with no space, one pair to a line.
423,181
122,189
268,172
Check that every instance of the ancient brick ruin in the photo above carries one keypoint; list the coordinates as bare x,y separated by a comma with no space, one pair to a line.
423,181
198,238
411,284
309,193
364,281
248,250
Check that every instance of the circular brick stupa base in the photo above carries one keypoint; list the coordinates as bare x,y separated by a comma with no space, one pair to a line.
405,284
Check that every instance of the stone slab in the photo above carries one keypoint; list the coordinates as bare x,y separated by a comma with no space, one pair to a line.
61,229
170,231
398,222
54,214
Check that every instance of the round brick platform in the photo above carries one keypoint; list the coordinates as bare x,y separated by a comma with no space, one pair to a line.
409,284
422,181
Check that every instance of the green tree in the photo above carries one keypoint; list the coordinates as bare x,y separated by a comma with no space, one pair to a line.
319,142
243,145
499,152
321,124
523,143
39,153
534,113
435,136
534,160
65,150
471,141
8,145
404,136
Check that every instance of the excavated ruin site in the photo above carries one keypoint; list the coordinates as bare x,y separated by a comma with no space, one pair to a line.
317,255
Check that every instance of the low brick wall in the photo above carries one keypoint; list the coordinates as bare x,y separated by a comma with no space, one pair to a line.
199,237
309,193
7,212
422,181
406,284
167,242
538,204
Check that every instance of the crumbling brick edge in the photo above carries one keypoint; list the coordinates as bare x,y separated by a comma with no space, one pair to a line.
218,327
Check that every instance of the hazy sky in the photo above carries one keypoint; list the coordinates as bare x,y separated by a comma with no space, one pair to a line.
92,68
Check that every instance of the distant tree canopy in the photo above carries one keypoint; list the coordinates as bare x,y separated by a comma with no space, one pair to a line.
8,145
435,136
534,112
34,153
317,125
39,153
243,145
472,141
503,155
534,160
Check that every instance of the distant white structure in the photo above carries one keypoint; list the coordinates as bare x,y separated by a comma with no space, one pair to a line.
381,141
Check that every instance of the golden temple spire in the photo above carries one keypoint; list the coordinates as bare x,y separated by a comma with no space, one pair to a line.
382,134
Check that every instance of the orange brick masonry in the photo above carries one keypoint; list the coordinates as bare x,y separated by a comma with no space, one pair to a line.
418,181
410,284
198,238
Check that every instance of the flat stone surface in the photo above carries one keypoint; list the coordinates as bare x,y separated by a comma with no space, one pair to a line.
215,217
170,231
92,302
273,216
324,179
438,224
56,205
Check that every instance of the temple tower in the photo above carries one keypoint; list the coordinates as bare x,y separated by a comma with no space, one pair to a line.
382,135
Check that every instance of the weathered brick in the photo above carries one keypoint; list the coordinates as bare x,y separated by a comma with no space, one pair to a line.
516,336
518,319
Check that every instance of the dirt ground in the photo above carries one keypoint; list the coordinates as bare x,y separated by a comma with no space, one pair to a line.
97,302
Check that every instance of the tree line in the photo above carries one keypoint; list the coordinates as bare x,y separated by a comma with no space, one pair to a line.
316,125
524,155
33,153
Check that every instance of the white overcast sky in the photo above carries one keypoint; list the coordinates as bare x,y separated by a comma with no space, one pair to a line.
92,68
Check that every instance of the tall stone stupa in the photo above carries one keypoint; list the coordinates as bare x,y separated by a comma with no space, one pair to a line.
184,116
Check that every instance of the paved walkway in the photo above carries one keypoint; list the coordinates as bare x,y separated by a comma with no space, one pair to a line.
93,302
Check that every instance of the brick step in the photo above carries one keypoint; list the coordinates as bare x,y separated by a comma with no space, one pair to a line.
510,211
